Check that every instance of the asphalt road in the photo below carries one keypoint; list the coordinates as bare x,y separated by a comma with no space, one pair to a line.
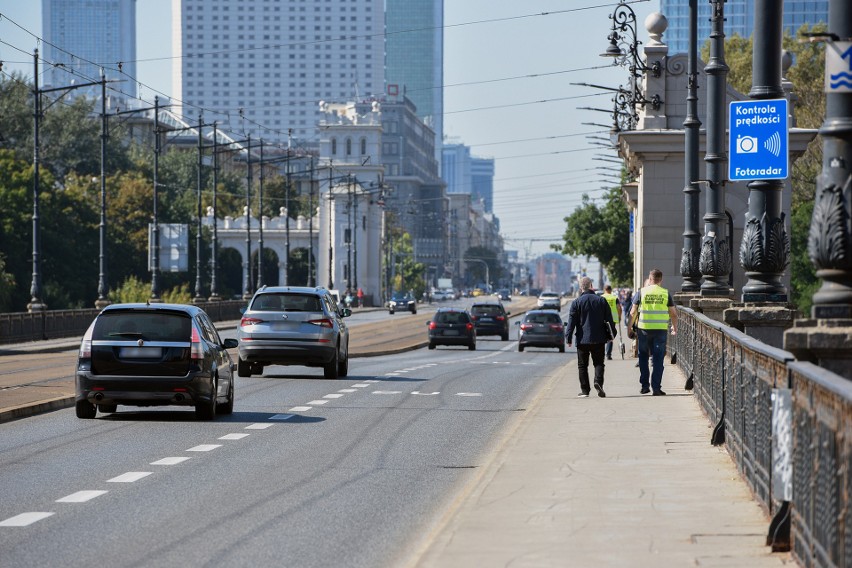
308,472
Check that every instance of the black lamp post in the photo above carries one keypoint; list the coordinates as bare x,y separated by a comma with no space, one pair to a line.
103,285
249,290
214,293
715,258
691,237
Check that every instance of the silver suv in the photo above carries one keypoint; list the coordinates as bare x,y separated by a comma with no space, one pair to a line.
549,301
291,325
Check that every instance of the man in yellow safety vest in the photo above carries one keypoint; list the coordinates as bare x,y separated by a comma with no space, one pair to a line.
653,310
612,300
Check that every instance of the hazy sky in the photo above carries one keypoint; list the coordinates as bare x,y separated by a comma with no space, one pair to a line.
508,69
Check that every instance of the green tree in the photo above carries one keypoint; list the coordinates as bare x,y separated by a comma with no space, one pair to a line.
602,232
408,274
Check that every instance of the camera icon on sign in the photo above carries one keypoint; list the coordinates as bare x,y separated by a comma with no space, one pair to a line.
746,145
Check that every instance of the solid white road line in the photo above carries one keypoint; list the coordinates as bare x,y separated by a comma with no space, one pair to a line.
170,461
24,519
80,497
258,426
204,448
130,477
233,436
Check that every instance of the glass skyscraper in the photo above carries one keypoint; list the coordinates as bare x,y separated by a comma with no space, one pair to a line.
739,19
414,59
96,32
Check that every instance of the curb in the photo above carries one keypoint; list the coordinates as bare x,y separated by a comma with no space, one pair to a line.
27,410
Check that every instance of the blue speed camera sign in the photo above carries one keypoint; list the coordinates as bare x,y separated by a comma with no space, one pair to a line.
758,140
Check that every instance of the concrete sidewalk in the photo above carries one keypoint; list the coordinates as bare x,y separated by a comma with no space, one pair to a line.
628,480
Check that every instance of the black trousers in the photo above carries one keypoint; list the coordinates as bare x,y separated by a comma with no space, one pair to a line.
596,350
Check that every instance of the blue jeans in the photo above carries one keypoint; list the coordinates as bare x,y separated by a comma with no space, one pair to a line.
651,342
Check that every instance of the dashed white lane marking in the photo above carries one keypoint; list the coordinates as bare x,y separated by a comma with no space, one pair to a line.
80,496
360,386
372,381
24,519
333,396
317,402
425,393
204,448
347,390
387,392
233,436
300,408
281,417
394,374
130,477
258,426
468,394
170,461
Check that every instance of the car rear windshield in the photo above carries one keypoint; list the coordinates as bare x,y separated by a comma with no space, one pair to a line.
543,318
487,310
151,326
451,317
287,302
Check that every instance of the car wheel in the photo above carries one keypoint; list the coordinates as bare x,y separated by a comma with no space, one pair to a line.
520,348
85,409
414,311
107,408
505,337
330,370
228,407
431,345
243,368
206,410
390,310
562,349
472,347
343,366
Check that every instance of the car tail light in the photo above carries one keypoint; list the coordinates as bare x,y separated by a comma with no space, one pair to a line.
433,325
555,327
196,351
473,317
249,321
323,322
526,326
501,318
86,343
469,326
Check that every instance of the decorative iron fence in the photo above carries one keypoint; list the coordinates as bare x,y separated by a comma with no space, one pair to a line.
20,327
788,428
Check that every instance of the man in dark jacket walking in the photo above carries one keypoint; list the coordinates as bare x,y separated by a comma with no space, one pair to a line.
590,317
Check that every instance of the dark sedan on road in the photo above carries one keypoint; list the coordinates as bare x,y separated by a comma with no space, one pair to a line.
541,328
153,355
402,302
490,318
452,326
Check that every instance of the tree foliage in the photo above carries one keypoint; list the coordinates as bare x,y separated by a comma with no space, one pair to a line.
602,232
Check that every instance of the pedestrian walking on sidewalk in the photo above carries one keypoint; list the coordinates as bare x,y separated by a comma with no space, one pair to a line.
612,300
590,318
653,310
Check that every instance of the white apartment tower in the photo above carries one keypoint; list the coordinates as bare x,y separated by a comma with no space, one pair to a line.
273,61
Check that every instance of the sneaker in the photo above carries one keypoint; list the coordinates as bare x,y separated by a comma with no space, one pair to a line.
600,390
645,390
609,357
659,393
583,395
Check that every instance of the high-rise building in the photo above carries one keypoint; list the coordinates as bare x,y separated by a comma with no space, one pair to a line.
273,62
482,181
739,19
81,37
456,167
414,60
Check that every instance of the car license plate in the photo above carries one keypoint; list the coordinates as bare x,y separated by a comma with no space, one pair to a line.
486,319
140,352
451,332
